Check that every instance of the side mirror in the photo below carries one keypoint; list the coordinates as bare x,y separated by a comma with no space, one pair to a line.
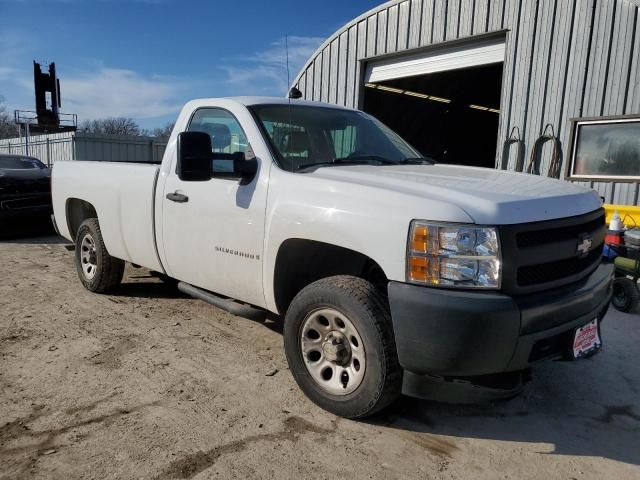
194,157
197,163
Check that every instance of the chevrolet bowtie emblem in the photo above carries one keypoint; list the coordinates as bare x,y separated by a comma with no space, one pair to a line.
584,245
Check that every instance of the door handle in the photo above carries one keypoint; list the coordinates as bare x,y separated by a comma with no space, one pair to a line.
177,197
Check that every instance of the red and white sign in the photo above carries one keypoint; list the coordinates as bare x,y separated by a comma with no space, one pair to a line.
586,339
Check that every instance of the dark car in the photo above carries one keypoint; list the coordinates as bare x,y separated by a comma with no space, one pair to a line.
25,189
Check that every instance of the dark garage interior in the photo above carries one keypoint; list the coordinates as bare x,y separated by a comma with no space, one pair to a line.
451,116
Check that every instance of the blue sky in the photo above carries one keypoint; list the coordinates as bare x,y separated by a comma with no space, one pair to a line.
145,58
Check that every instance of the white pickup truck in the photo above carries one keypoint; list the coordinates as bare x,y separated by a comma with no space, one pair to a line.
392,273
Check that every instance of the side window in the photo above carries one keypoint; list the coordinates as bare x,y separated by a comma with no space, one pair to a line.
225,131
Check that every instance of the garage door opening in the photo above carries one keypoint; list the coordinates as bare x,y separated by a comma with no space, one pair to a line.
451,116
445,101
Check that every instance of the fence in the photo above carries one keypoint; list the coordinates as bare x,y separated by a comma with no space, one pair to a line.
87,146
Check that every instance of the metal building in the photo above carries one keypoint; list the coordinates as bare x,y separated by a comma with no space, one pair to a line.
546,86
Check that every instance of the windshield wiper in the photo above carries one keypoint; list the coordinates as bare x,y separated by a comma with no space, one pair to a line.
418,161
368,160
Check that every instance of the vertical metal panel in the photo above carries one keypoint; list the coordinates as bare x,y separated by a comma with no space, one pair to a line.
604,189
334,74
343,52
404,19
467,12
558,56
426,31
439,21
415,25
453,19
576,70
633,82
625,194
362,43
308,91
480,17
381,41
496,14
512,15
372,25
392,29
618,70
326,62
524,66
352,61
317,75
538,79
599,58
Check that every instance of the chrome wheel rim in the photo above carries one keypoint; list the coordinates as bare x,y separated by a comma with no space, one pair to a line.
88,257
332,351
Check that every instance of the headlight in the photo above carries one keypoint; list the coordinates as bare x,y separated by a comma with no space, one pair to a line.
461,256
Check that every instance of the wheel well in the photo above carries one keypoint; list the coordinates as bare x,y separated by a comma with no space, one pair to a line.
301,262
77,212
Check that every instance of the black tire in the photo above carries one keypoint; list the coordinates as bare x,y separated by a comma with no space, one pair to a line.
106,273
367,310
626,295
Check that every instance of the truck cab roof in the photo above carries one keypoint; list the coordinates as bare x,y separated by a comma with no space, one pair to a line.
255,100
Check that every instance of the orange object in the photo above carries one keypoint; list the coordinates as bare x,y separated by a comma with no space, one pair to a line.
614,238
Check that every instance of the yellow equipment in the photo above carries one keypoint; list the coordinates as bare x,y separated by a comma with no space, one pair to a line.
630,215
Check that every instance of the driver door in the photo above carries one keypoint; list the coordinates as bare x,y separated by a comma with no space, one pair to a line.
213,230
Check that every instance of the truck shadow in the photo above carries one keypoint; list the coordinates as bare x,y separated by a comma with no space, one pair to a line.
555,415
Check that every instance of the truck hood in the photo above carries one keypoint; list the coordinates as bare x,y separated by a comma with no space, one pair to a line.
492,197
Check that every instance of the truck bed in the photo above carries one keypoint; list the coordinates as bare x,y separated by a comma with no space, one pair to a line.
122,195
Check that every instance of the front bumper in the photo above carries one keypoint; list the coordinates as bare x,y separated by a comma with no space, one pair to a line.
466,333
19,206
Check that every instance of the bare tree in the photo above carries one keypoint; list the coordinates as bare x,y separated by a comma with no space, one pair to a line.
8,127
111,126
159,132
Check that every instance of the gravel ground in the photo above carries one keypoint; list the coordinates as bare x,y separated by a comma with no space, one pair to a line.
147,383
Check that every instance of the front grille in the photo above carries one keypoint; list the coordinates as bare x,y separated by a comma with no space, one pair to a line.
539,237
544,255
549,272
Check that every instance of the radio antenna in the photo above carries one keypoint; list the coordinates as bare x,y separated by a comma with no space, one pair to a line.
286,46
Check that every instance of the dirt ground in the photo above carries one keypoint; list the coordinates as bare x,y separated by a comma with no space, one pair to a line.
148,383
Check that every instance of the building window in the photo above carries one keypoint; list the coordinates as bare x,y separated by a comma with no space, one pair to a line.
606,148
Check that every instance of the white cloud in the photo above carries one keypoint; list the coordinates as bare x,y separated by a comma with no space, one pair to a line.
7,72
110,92
265,72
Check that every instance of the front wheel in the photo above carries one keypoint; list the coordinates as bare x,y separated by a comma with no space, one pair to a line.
625,294
340,346
98,271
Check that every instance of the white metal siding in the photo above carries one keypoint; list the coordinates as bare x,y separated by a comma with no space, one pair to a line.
563,59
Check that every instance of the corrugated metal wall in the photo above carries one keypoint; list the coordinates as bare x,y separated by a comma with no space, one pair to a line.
85,146
47,148
564,59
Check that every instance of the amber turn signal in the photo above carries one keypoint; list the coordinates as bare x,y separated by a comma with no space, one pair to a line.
424,270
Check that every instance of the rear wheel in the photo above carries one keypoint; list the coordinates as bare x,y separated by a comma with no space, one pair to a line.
98,271
626,295
340,346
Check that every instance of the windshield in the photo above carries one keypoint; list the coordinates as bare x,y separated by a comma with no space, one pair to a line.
20,163
304,137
